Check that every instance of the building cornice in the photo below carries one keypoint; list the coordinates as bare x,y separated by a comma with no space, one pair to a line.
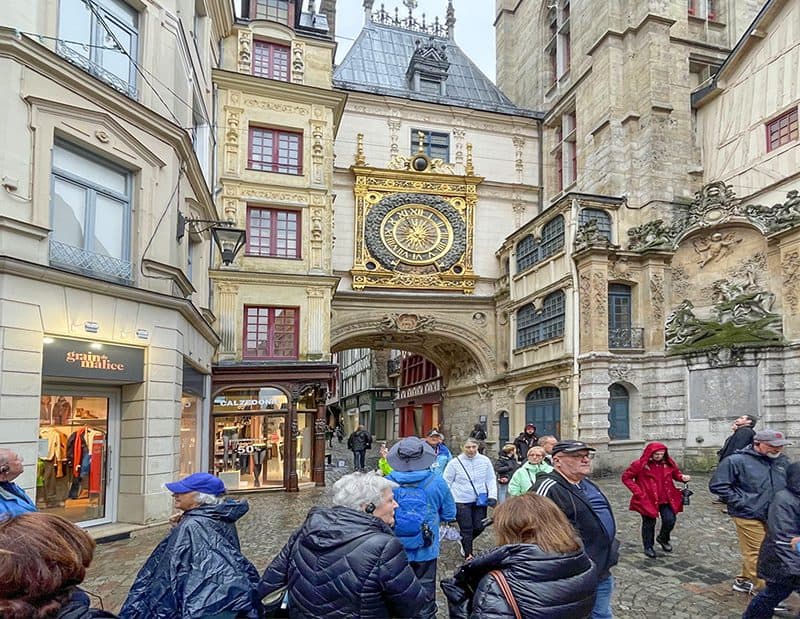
284,91
294,280
41,59
52,275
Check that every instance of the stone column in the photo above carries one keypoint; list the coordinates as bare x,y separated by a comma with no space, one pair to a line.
226,302
317,322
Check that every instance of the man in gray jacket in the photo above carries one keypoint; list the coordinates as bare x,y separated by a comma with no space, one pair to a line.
747,482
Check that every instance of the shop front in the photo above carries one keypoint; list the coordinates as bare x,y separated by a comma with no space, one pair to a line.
79,426
267,427
420,407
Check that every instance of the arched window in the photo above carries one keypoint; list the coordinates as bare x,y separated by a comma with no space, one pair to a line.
543,409
529,252
601,217
619,413
533,327
526,253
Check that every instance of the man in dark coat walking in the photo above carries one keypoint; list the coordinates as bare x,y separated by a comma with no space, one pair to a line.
358,442
588,510
747,481
779,561
741,437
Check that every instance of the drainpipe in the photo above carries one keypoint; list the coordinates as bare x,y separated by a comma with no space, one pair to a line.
576,319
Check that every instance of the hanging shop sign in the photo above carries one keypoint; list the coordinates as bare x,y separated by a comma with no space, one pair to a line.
66,358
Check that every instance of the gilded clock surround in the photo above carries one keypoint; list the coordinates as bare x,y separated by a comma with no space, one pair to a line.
414,228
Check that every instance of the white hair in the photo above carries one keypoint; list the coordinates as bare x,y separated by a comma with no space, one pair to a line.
470,441
359,489
203,498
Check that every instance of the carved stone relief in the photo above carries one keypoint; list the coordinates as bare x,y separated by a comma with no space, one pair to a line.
244,55
519,145
458,145
585,286
790,268
657,296
408,322
394,135
680,282
619,371
714,246
298,62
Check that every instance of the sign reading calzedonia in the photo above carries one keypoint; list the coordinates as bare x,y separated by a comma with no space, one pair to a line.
93,360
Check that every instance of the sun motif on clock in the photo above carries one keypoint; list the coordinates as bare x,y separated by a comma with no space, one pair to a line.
416,234
415,230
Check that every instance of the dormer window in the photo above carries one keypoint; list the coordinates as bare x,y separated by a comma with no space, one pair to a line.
281,11
427,70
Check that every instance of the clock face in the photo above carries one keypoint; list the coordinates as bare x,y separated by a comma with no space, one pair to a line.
416,234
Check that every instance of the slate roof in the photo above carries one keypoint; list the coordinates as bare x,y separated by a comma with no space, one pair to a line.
378,60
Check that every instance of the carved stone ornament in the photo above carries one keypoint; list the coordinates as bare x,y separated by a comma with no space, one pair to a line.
484,392
619,371
657,296
589,235
479,318
714,246
585,288
715,204
722,356
408,322
791,281
434,166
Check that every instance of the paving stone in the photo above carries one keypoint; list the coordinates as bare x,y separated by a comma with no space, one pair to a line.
694,581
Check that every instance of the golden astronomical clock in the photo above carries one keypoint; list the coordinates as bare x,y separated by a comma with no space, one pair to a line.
415,231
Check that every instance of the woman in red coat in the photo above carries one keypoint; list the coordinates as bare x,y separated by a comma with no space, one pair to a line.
651,480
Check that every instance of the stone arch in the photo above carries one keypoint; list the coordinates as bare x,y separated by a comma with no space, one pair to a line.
634,409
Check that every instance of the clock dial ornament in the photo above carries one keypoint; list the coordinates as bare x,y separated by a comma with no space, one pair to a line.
417,230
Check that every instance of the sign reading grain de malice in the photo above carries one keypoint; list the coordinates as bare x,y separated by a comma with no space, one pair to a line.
68,358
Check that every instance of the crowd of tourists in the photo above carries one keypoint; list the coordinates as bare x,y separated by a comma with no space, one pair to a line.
374,551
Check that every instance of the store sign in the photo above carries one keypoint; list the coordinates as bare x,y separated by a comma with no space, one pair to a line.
239,400
67,358
433,386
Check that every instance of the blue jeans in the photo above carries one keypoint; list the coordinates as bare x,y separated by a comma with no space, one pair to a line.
359,459
602,600
502,492
766,601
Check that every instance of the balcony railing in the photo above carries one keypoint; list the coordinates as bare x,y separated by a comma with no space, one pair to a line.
90,263
632,337
68,53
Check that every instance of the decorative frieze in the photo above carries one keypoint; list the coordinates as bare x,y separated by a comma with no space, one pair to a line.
790,268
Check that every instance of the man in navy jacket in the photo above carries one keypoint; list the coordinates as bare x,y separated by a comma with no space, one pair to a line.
13,500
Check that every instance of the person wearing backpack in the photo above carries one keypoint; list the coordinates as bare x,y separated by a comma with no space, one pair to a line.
424,501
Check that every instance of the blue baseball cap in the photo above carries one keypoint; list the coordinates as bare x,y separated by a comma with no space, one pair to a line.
197,482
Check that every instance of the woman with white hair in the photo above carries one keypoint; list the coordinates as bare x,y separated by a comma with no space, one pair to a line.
472,482
198,570
345,561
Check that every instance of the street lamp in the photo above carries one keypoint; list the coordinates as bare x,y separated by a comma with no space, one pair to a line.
229,240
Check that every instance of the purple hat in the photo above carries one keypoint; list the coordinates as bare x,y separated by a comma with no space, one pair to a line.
197,482
773,438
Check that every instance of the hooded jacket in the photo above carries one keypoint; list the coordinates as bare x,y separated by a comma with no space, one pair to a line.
778,561
747,482
14,501
652,483
441,507
344,563
198,570
525,477
505,466
524,442
603,552
544,585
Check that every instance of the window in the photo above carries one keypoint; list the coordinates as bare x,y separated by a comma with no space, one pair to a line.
90,214
619,413
704,9
270,332
416,369
600,217
273,233
529,252
534,327
558,47
782,130
565,152
274,10
435,145
91,33
275,151
543,409
271,60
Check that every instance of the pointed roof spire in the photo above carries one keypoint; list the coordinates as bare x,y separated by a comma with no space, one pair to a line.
368,4
450,22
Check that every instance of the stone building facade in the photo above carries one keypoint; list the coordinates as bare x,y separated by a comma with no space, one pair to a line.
278,116
106,330
657,243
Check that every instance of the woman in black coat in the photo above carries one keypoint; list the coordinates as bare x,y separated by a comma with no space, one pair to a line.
505,466
345,561
541,559
779,561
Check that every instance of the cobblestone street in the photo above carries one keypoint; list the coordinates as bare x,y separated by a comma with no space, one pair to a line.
694,581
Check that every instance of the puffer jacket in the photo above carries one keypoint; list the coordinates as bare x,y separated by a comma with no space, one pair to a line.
359,441
505,466
441,507
198,570
778,561
525,477
344,563
544,585
747,482
652,483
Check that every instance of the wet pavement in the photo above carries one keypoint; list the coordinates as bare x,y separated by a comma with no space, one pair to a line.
694,581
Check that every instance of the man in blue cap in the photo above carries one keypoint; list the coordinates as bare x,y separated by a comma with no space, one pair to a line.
175,581
423,500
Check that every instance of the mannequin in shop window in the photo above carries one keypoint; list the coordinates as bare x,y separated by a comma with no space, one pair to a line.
230,441
83,461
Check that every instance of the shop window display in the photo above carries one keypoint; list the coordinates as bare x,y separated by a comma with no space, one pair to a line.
73,452
189,455
250,438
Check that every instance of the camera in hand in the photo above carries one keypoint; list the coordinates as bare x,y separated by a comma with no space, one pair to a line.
427,535
686,493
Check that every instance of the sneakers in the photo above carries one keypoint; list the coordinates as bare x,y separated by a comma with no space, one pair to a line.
781,608
743,586
666,546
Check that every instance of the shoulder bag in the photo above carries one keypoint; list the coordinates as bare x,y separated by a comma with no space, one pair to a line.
507,593
481,498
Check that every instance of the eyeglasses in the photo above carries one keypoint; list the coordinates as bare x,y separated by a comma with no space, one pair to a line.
588,456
